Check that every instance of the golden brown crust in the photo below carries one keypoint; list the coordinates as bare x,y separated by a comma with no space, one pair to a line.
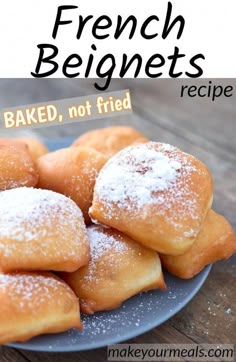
119,268
41,230
215,241
36,148
17,167
110,140
156,194
35,303
72,172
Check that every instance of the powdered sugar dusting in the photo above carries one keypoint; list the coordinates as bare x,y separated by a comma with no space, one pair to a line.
148,174
28,214
30,290
103,241
136,173
75,184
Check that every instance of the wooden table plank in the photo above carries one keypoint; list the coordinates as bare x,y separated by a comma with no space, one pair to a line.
11,355
212,121
202,319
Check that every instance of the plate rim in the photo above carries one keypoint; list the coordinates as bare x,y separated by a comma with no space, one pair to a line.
118,339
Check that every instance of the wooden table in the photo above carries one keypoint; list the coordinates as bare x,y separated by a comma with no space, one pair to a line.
199,126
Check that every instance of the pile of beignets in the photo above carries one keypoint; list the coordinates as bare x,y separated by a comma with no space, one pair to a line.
89,226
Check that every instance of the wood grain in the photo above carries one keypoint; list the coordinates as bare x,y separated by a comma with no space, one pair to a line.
199,126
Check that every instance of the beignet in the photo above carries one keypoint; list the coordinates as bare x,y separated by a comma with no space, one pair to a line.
41,230
119,268
154,193
110,140
36,148
215,241
35,303
17,167
72,172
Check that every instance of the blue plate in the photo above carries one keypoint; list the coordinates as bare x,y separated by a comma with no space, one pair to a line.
136,316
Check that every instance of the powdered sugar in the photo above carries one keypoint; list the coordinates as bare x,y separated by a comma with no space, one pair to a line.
104,242
21,208
28,214
30,290
140,174
137,172
148,174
